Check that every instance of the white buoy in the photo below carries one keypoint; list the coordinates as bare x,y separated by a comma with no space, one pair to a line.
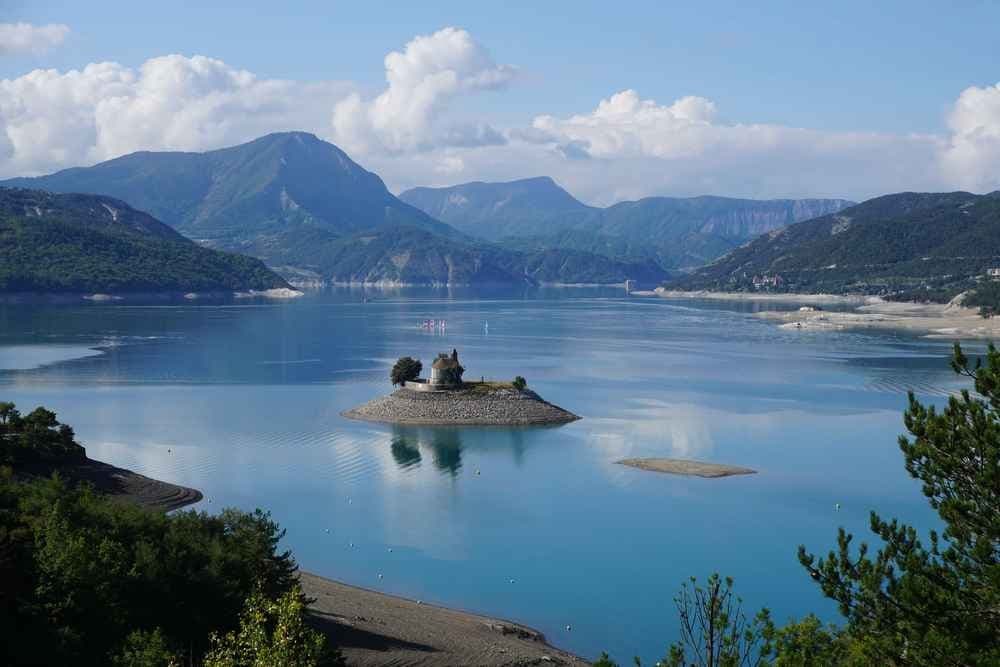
390,549
420,601
837,506
477,472
511,581
568,628
350,544
379,576
328,530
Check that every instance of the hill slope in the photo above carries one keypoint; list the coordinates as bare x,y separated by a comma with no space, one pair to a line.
86,243
675,232
898,243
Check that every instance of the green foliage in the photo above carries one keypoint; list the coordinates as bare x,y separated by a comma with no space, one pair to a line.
146,649
985,297
924,246
934,603
272,633
76,244
519,383
36,437
715,631
405,370
807,642
83,573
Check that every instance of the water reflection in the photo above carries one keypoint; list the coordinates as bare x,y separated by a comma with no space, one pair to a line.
409,445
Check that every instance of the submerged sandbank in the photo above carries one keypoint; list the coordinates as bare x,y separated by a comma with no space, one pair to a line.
684,467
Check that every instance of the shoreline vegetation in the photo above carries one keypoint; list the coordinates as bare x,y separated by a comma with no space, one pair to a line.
687,468
932,320
474,404
369,628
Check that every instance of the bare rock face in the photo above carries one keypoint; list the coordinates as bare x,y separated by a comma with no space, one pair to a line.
503,406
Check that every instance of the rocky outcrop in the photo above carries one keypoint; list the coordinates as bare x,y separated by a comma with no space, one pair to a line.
504,406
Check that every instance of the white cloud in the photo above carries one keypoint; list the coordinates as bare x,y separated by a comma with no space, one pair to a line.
28,38
431,71
972,160
625,147
50,119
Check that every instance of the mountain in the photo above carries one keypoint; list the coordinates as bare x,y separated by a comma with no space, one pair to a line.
677,233
302,205
932,244
86,243
495,210
247,194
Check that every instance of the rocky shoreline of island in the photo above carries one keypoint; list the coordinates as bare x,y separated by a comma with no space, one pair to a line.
471,405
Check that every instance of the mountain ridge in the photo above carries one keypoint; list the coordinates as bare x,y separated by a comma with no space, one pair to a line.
903,244
77,243
676,232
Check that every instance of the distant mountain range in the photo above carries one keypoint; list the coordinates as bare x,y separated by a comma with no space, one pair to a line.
74,243
676,233
303,206
909,244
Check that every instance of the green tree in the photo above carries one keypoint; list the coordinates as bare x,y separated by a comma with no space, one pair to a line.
272,633
936,603
519,383
146,649
405,370
715,632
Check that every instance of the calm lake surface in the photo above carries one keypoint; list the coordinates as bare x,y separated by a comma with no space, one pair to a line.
243,401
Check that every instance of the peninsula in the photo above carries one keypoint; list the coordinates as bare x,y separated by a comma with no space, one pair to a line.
446,399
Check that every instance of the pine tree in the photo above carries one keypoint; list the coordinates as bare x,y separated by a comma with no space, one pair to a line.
933,603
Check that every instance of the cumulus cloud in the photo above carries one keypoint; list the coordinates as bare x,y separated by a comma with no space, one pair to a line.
972,160
50,119
625,147
628,147
422,79
28,38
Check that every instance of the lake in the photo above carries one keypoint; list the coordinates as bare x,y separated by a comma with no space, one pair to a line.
243,401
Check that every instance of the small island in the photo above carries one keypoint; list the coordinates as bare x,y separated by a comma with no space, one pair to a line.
683,467
445,399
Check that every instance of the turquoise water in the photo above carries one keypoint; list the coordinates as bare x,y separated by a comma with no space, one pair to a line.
243,401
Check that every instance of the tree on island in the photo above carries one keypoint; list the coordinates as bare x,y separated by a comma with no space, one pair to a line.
405,370
519,383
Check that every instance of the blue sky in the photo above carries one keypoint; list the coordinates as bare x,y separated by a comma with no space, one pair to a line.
894,69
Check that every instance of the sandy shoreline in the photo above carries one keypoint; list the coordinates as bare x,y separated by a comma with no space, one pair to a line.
933,320
371,628
805,299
